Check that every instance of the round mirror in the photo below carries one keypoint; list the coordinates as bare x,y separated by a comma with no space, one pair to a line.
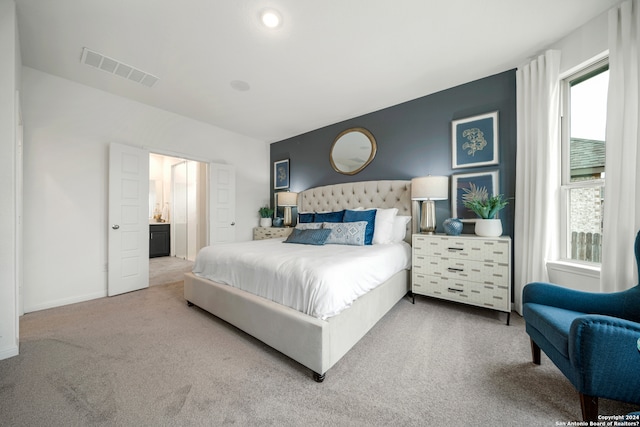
352,150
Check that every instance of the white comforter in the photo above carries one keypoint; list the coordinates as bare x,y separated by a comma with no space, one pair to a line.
320,281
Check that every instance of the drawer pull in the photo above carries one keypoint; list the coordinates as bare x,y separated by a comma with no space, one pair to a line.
455,269
454,290
454,249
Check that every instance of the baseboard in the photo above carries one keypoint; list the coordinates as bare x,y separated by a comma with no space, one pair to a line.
11,351
65,301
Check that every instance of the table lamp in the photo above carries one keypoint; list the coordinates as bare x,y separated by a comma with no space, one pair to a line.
287,199
428,189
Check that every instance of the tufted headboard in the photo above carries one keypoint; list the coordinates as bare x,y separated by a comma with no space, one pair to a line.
365,194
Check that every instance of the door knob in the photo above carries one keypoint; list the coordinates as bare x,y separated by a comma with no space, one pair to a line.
115,226
233,223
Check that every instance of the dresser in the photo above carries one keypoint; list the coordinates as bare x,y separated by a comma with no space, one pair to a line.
468,269
260,233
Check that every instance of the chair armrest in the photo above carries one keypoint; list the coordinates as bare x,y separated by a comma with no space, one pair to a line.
610,304
604,352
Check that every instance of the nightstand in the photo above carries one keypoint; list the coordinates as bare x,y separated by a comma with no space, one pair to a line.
261,233
468,269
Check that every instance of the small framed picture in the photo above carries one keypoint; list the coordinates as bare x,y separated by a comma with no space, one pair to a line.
462,181
281,174
474,141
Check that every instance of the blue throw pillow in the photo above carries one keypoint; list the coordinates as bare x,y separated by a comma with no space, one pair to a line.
346,233
369,216
329,216
305,217
308,237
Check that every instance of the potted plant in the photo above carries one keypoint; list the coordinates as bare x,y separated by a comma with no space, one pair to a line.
265,216
477,199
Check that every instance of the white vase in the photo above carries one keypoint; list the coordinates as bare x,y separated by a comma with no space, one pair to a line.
489,227
265,222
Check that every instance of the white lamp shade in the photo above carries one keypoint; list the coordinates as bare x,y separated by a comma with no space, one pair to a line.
430,188
287,198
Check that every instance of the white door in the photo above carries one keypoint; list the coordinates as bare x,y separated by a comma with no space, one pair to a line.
128,268
222,203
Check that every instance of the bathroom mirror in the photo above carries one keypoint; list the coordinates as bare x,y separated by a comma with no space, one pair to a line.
352,150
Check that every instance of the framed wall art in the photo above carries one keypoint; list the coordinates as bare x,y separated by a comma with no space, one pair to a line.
474,141
281,174
459,182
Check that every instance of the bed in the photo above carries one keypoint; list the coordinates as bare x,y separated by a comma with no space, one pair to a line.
315,342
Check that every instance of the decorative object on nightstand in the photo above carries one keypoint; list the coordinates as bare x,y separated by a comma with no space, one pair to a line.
265,216
287,199
452,226
277,222
428,189
469,269
486,207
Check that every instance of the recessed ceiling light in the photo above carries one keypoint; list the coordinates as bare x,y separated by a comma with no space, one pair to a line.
271,18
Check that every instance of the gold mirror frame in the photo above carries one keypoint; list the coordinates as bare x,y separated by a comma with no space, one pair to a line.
342,138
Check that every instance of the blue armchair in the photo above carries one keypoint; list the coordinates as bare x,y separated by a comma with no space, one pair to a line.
591,337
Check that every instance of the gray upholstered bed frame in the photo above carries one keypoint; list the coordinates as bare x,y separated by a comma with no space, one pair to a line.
316,344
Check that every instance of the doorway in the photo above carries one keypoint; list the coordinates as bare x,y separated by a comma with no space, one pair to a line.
148,203
177,203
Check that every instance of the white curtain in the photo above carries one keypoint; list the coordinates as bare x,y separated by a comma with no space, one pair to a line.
622,180
536,227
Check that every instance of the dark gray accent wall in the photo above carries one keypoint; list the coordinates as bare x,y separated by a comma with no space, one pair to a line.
414,139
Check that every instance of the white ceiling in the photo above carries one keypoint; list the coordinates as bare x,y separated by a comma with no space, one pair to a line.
330,61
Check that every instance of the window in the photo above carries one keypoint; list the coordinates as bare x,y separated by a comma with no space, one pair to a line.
584,116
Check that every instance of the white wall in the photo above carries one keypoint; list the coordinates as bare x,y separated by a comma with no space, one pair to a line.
583,44
9,84
68,128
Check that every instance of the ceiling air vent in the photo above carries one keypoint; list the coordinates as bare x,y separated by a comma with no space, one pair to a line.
110,65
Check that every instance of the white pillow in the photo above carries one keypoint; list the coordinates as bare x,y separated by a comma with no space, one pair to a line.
399,228
383,230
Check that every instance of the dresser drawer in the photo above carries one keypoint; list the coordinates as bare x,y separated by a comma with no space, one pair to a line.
452,268
454,290
462,248
496,297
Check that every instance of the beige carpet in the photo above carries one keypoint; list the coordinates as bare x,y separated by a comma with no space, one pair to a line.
145,358
167,269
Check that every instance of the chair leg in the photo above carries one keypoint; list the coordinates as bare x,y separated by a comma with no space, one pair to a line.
535,352
589,406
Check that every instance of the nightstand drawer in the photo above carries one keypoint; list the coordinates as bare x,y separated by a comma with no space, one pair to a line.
261,233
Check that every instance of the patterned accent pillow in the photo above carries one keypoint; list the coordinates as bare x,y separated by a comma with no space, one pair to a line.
329,216
346,233
369,216
308,237
309,225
